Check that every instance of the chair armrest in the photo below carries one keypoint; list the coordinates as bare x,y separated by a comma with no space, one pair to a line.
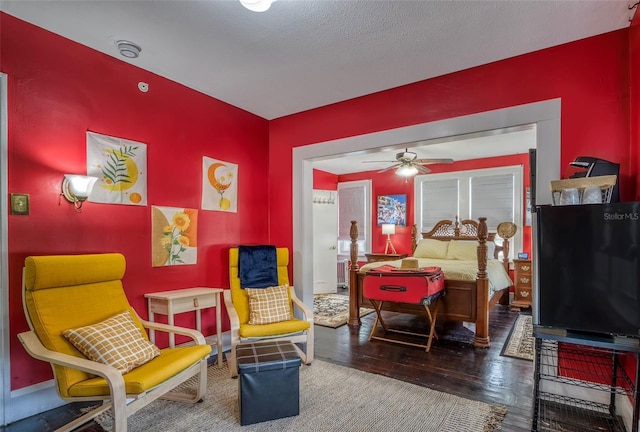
34,347
234,320
308,314
197,337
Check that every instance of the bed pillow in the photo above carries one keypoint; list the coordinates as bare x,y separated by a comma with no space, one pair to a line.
269,305
116,341
468,250
430,248
462,250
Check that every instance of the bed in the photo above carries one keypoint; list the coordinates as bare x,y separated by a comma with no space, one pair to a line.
473,286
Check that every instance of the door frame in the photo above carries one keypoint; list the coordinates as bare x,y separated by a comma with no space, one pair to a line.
5,365
545,115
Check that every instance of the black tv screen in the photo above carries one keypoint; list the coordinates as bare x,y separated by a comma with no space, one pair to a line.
588,268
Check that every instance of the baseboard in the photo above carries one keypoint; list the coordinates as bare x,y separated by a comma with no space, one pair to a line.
41,397
32,400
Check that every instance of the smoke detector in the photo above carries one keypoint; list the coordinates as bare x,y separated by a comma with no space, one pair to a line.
128,49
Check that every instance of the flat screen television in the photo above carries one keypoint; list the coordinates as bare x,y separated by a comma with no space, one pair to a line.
588,268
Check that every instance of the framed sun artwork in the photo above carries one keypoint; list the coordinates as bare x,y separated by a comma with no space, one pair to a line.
219,185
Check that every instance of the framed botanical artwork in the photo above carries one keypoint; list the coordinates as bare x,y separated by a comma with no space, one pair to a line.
392,209
121,168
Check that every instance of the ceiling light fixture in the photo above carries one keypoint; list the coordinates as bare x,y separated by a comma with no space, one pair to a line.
407,170
128,49
257,5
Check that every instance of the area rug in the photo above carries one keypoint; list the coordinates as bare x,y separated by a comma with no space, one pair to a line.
332,310
520,341
332,398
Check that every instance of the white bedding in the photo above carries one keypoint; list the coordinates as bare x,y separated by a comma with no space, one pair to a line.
459,270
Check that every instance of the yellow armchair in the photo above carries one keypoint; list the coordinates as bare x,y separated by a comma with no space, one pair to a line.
72,291
237,303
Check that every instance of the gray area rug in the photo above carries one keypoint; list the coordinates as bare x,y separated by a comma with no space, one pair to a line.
332,398
520,341
332,310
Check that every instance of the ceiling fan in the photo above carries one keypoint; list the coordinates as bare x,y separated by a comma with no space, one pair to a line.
408,164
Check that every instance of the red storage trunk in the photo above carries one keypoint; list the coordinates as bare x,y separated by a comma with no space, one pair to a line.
388,283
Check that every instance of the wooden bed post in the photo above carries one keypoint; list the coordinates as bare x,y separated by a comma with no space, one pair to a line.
354,300
482,311
414,237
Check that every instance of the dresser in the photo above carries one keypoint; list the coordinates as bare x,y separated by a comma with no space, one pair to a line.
522,284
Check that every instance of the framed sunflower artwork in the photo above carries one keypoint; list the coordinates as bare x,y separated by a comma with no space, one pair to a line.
174,236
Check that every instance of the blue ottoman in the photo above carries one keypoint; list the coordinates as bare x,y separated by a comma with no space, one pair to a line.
269,381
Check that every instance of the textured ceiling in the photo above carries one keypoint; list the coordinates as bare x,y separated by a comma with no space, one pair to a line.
304,54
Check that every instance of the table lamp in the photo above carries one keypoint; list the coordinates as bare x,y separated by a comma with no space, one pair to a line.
389,229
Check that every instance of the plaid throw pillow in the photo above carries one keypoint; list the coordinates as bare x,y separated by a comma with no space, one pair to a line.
116,341
269,305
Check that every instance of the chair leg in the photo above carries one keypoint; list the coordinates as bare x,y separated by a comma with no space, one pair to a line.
310,343
231,361
119,414
202,380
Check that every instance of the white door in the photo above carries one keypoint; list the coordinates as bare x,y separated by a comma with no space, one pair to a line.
325,242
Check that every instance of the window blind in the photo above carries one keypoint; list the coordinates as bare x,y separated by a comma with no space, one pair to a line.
492,196
351,206
439,201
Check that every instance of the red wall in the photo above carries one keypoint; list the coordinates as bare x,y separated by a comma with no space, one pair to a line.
389,183
58,90
590,75
323,180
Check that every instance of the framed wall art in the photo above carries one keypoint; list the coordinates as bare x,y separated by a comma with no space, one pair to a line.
392,209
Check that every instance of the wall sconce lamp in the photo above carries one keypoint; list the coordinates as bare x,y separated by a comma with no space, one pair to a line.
257,5
389,229
76,189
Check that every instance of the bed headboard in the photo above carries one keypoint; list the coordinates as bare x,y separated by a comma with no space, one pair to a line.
446,230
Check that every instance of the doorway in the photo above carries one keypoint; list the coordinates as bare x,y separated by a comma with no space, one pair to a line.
325,242
545,115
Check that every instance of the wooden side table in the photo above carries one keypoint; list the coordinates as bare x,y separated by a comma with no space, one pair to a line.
173,302
375,257
522,284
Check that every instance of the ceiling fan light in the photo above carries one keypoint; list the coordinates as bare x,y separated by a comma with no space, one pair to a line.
407,171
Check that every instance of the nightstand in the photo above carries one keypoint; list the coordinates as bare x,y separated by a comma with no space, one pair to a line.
375,257
178,301
522,284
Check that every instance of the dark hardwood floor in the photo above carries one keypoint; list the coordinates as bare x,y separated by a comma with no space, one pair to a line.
452,366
